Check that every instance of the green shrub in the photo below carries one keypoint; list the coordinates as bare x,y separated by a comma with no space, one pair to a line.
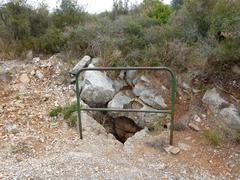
69,13
69,109
51,42
157,125
72,121
157,10
55,111
212,137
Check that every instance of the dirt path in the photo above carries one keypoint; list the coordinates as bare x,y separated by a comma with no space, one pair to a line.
35,146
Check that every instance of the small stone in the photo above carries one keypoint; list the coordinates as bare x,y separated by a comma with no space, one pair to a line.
11,128
172,149
39,74
96,169
194,127
186,86
24,78
19,158
33,73
95,61
35,60
197,118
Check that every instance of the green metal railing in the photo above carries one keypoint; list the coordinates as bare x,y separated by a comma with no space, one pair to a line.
170,111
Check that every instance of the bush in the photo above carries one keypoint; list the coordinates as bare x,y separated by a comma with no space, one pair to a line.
67,112
55,111
69,13
69,109
212,137
157,10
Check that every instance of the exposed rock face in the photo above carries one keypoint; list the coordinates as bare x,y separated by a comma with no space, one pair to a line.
84,62
226,114
152,98
128,76
92,125
129,144
232,117
122,101
213,99
98,89
148,95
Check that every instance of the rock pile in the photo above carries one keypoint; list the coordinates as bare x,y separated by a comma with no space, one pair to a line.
127,91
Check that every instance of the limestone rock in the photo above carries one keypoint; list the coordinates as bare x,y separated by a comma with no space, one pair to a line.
122,101
172,149
128,76
231,117
150,96
89,124
95,61
129,144
197,118
84,62
194,127
186,86
213,99
39,74
98,89
36,60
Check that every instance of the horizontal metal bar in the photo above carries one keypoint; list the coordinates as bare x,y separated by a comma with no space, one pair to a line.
126,110
123,68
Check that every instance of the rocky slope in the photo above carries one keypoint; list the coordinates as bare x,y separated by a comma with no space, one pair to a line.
36,146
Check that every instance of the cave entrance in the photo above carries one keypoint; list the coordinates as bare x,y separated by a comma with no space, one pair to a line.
170,111
121,127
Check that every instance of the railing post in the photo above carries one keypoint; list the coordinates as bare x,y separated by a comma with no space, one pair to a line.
79,122
172,106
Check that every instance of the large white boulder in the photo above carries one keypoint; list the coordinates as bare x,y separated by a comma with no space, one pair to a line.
98,88
213,99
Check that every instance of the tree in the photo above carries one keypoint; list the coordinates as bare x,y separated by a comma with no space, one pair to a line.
120,8
39,21
14,16
156,9
68,14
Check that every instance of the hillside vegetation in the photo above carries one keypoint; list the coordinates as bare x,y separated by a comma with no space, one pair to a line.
185,35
